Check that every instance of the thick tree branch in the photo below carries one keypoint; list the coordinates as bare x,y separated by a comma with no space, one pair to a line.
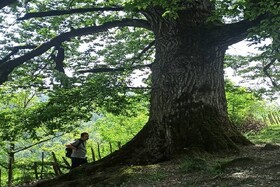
4,166
27,147
232,33
265,70
71,11
139,88
28,100
103,70
146,49
15,50
7,67
4,3
59,58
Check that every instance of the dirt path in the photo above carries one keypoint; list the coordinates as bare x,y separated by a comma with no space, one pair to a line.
255,166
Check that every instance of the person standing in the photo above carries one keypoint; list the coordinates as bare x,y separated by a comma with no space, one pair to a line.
78,156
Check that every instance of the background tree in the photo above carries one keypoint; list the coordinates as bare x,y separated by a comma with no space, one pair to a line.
16,107
253,69
119,129
247,109
240,102
182,42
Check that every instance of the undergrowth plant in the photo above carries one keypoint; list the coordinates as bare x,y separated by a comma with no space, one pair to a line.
270,134
189,164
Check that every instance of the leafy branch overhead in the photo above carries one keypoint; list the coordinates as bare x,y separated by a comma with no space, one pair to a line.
85,56
4,3
71,11
110,58
239,29
8,66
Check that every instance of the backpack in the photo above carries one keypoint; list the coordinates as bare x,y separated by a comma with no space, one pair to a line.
69,150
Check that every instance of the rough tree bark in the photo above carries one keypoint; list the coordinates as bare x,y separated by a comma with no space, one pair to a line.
10,164
4,3
188,104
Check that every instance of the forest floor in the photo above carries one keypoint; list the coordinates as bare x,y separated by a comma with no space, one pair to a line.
257,166
253,166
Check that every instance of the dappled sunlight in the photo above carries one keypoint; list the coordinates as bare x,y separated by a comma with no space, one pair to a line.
241,175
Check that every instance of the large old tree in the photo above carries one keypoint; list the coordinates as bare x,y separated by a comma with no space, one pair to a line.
182,42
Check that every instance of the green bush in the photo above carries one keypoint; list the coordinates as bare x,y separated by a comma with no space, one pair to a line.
251,125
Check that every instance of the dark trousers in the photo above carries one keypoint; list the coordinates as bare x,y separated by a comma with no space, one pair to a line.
77,162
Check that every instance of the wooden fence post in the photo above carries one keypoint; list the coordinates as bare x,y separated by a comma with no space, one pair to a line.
98,149
42,167
276,117
111,148
56,166
119,145
35,170
66,162
92,154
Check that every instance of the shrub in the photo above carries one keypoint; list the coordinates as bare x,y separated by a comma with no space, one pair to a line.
251,125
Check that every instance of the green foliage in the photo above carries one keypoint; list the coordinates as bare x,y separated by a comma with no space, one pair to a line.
170,7
70,99
270,134
18,130
15,107
48,115
241,102
120,128
229,9
241,9
142,174
197,164
251,125
262,67
193,164
248,110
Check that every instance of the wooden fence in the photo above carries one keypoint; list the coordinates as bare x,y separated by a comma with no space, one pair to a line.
57,167
40,167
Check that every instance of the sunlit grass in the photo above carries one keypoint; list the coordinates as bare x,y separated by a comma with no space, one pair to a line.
270,134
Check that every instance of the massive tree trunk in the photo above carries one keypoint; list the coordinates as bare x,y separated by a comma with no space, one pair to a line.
188,96
188,104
